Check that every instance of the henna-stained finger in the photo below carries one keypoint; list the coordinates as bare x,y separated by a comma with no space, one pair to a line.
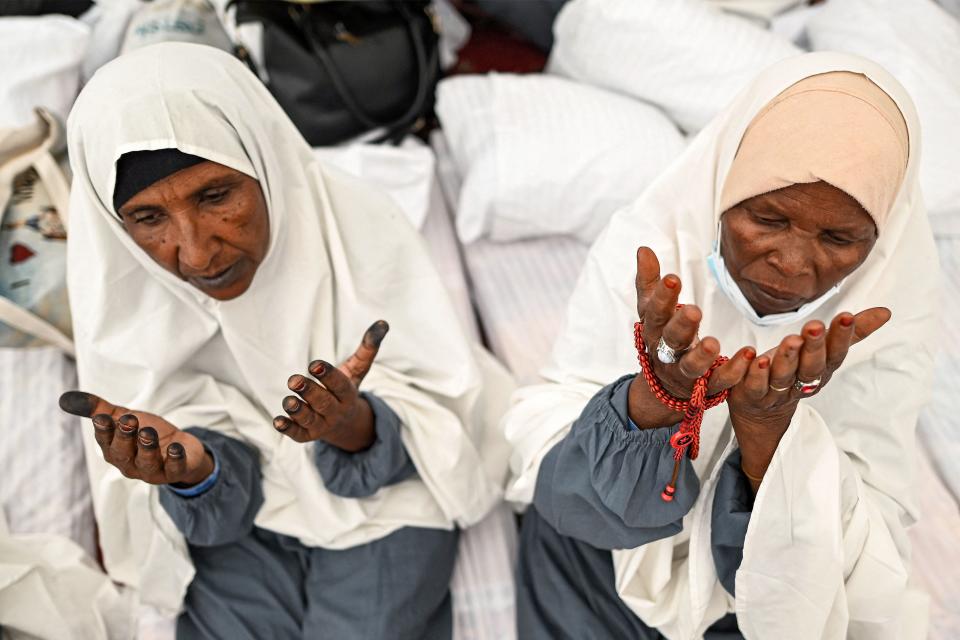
699,359
175,464
291,429
813,354
681,330
358,365
334,380
148,462
756,383
783,369
839,339
303,415
104,429
648,275
660,309
732,371
320,399
123,449
868,321
87,405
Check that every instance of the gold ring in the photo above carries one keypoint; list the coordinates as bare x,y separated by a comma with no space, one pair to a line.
779,390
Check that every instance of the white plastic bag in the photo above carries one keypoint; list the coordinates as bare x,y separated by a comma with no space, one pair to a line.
684,56
193,21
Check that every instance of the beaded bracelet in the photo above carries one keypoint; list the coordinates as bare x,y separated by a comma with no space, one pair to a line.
687,437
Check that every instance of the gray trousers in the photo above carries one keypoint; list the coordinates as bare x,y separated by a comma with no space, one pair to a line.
255,584
599,489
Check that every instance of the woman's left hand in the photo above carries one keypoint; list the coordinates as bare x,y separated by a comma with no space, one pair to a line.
334,411
763,403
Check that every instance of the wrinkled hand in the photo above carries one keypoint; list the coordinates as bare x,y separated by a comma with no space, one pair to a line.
763,403
141,445
656,305
334,411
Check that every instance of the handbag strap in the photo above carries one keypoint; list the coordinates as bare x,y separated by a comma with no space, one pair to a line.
32,324
349,99
57,187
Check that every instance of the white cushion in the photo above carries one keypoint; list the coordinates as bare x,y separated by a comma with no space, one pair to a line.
685,56
541,155
919,43
41,59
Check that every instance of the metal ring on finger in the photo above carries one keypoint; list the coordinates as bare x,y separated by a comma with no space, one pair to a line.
808,387
781,390
667,354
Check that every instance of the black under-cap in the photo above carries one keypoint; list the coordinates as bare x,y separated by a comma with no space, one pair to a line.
138,170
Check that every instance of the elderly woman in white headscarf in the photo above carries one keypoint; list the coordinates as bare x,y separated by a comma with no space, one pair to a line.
211,259
789,233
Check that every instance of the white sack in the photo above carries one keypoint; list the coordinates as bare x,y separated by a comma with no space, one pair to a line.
542,155
40,60
685,56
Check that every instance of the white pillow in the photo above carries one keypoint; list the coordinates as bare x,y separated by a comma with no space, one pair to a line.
541,155
919,43
40,58
685,56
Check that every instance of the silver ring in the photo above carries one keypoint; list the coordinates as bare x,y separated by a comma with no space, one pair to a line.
807,387
667,354
779,390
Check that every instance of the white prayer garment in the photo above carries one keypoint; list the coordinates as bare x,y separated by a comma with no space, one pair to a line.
826,553
341,256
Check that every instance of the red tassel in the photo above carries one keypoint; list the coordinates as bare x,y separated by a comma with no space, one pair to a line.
687,438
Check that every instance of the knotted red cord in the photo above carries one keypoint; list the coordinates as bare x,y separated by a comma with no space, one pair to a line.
687,437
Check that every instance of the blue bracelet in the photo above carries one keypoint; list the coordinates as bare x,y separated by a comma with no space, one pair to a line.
202,487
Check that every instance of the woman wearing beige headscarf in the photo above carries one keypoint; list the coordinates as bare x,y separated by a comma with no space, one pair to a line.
792,230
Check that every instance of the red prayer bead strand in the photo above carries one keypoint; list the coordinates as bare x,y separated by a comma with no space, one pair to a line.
687,437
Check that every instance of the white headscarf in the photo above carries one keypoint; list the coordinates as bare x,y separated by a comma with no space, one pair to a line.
341,256
826,555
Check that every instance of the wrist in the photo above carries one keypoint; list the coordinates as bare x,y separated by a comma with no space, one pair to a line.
758,439
646,411
201,473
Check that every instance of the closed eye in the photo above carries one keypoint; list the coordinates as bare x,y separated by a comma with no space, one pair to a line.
148,217
768,221
214,196
837,239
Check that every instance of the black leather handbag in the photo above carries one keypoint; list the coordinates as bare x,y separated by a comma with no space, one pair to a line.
342,68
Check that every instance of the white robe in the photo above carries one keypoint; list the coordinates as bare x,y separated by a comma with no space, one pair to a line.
826,554
340,257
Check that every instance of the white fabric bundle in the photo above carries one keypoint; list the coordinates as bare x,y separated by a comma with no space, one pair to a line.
684,56
404,172
919,44
761,9
340,257
51,589
541,155
826,553
40,60
108,21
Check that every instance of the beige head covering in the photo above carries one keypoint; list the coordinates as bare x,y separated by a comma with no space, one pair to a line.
837,127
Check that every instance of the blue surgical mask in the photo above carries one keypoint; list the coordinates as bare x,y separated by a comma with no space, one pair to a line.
729,287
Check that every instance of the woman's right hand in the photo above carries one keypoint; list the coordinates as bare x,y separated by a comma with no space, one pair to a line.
156,452
657,307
